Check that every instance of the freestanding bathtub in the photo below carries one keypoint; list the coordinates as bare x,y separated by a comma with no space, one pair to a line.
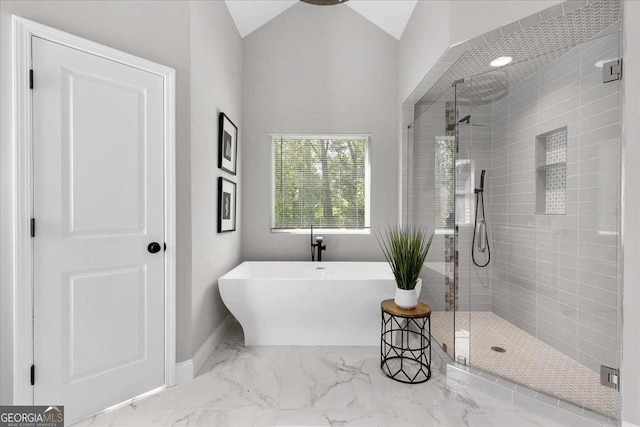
308,303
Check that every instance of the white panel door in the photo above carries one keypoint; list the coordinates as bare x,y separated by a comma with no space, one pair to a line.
98,204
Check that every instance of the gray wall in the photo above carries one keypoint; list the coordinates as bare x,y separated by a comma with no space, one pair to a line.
555,276
216,86
318,69
159,31
424,40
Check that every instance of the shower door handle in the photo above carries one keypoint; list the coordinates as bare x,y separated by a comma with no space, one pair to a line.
481,232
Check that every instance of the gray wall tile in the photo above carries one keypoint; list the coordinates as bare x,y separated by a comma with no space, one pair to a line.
557,278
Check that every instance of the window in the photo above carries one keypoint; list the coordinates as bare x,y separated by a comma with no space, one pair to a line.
320,180
464,191
453,186
445,182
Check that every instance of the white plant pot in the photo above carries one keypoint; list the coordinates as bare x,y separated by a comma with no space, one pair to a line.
408,298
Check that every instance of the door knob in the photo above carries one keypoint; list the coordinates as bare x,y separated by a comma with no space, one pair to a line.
154,247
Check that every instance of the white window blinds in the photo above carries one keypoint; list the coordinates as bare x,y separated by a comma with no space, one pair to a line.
320,180
445,188
453,186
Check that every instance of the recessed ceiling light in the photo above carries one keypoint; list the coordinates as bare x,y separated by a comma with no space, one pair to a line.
503,60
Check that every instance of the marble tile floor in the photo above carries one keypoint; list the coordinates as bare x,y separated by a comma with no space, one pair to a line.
527,360
312,386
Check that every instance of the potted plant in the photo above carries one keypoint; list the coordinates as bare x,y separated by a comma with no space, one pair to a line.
405,249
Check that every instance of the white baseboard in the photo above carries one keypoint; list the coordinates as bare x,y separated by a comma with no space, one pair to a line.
184,371
211,343
628,424
188,369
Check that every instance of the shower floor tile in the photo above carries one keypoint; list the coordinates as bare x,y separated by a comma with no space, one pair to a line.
527,360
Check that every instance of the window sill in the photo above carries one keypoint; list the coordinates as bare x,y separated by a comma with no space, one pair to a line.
443,231
321,231
451,230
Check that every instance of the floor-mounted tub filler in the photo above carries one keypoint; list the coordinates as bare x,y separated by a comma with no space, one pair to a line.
308,303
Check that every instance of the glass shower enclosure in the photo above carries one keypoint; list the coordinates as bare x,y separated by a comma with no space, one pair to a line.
527,284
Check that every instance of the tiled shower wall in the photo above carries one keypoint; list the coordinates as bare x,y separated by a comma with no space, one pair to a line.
556,276
474,141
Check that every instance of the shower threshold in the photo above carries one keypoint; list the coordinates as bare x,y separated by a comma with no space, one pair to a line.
528,366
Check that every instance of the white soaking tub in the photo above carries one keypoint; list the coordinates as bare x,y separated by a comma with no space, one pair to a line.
308,303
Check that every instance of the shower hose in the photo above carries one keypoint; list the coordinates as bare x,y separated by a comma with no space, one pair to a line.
480,201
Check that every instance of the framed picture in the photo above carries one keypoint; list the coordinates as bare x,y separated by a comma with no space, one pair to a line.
226,205
228,145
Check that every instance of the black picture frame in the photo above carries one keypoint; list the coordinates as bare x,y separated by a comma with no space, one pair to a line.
227,203
227,144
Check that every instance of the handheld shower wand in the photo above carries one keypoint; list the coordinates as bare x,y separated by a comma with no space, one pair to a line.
480,227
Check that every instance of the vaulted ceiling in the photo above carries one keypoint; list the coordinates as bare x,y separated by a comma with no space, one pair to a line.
390,15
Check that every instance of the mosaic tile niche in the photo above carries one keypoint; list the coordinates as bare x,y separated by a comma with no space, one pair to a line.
551,172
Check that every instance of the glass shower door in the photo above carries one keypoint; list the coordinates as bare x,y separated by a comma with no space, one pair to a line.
430,172
545,311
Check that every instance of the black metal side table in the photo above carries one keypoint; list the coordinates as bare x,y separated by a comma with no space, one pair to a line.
405,342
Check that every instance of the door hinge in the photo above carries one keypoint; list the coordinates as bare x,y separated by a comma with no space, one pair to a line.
609,377
30,79
33,227
33,374
612,71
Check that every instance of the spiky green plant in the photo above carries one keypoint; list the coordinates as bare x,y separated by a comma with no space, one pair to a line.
405,249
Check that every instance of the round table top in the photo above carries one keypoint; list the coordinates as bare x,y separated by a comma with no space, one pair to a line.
421,310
